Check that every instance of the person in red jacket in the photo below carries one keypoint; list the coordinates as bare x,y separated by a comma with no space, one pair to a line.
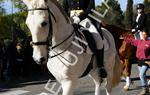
143,55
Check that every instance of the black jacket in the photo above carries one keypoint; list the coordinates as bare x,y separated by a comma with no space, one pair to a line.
85,5
141,24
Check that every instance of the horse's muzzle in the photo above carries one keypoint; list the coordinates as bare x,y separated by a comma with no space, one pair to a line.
42,60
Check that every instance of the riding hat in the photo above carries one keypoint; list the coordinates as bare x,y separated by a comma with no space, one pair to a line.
140,6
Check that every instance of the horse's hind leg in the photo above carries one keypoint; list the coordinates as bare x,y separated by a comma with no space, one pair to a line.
68,86
96,80
127,73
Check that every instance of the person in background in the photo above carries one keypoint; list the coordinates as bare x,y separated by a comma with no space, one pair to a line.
78,10
140,22
143,55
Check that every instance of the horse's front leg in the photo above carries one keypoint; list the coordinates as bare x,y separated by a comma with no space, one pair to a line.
97,80
68,86
127,73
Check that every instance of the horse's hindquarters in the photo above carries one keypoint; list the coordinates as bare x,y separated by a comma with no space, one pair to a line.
112,61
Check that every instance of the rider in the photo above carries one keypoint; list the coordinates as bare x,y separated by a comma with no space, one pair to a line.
140,22
78,10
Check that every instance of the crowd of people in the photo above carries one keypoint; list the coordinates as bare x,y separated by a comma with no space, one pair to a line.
16,60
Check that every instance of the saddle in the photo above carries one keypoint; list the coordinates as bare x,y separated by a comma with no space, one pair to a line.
84,34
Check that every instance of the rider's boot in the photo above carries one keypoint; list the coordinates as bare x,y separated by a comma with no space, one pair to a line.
100,63
99,53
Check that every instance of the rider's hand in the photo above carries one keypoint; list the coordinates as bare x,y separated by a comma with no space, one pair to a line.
76,19
139,31
133,30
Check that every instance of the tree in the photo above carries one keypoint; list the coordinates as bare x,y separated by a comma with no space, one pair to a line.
60,1
147,10
114,15
2,10
147,6
129,14
19,5
5,26
17,20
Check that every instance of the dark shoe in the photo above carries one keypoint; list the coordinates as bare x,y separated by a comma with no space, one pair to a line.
102,72
145,91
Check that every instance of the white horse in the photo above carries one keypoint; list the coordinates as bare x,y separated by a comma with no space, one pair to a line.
47,21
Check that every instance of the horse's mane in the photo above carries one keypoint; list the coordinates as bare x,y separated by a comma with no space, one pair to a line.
116,31
61,9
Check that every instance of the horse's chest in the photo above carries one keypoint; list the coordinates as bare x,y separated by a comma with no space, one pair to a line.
69,62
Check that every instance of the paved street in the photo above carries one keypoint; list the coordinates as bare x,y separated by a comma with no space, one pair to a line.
41,86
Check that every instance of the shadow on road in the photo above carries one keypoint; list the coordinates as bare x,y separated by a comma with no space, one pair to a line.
24,81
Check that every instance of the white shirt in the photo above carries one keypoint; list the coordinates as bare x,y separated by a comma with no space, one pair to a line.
137,18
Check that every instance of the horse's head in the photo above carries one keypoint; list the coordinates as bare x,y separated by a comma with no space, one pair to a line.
38,21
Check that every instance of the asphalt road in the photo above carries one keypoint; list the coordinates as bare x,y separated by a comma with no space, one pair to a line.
40,85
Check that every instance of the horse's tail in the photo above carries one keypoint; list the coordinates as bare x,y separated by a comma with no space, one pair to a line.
117,71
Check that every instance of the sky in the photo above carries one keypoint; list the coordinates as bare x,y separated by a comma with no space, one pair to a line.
123,4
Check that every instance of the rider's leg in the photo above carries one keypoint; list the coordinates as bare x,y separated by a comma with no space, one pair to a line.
99,53
98,27
137,35
96,47
141,36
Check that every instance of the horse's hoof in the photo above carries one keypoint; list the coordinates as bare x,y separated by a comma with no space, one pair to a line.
126,88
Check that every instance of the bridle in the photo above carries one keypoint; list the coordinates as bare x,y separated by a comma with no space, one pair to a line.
48,42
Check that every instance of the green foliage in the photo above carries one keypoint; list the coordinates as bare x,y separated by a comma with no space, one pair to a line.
129,14
60,1
13,25
20,5
147,6
7,42
114,15
2,10
5,26
19,24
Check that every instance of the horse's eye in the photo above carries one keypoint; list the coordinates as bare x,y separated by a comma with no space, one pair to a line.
43,24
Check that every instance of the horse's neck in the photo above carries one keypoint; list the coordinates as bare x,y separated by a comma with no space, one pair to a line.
61,28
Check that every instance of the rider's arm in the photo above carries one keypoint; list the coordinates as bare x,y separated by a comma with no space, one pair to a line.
131,40
84,14
142,23
134,24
